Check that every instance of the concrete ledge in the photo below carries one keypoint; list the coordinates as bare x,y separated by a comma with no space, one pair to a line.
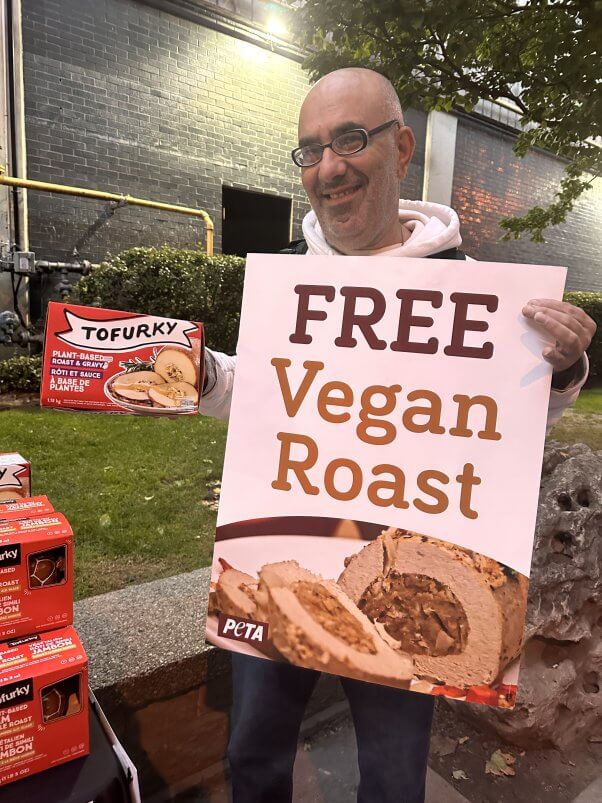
146,642
166,692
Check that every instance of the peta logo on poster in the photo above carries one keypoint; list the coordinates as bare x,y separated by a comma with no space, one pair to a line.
125,334
238,629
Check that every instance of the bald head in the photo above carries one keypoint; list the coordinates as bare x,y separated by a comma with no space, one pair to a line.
366,83
356,195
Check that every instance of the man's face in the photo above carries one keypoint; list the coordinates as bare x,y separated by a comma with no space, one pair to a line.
356,198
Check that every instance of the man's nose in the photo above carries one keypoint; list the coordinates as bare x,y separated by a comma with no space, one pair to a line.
331,165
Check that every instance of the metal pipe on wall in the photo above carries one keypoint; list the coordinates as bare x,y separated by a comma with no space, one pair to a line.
14,229
83,192
5,195
18,122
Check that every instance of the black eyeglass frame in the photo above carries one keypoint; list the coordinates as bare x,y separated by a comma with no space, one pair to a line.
365,140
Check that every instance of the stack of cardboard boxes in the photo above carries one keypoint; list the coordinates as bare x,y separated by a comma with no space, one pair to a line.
43,665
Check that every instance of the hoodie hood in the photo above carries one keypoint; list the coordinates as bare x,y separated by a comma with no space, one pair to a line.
432,228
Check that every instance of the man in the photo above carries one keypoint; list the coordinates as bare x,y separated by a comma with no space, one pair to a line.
354,150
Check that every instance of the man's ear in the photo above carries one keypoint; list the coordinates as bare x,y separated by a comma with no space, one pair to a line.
406,143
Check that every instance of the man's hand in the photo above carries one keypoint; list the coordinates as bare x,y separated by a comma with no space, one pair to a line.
571,328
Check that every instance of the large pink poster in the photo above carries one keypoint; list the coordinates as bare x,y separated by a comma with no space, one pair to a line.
382,470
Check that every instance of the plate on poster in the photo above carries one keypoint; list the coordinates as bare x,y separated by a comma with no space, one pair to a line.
321,555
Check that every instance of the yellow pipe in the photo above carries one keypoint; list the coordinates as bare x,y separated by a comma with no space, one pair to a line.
81,192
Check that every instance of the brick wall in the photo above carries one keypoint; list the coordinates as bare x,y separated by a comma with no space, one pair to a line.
411,187
491,183
126,98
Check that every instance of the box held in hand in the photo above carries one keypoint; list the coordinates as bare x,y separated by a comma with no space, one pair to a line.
108,361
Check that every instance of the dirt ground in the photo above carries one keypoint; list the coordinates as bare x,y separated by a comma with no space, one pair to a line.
542,776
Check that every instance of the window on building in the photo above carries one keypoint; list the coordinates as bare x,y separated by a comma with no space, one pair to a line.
253,222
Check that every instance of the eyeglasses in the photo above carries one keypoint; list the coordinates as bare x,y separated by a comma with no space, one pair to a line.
345,144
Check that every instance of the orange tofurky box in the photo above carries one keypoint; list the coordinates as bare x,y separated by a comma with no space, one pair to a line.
107,361
43,703
25,508
36,575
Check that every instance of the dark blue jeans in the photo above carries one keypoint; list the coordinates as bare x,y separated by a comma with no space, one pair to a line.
392,727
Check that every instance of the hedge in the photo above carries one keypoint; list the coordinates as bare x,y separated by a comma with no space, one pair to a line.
172,282
21,374
592,304
191,285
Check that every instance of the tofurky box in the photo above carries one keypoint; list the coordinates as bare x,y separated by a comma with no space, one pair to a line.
43,703
28,508
108,361
15,477
36,575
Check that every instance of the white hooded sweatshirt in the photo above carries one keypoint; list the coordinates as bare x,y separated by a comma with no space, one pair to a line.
428,228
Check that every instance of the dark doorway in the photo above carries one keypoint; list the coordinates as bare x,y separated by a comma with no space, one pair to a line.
253,222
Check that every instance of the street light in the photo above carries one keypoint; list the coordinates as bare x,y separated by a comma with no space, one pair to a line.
276,28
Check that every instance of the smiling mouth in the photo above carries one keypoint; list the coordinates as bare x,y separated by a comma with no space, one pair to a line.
342,195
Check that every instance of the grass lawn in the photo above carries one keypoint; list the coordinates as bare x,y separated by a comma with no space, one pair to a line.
583,422
134,488
589,401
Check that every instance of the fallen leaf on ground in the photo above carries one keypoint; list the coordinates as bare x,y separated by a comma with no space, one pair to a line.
443,745
463,739
500,764
460,775
594,739
105,520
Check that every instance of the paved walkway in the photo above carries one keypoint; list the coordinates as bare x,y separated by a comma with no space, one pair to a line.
593,793
325,774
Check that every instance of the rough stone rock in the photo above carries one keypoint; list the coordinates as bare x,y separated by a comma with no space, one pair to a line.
560,687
